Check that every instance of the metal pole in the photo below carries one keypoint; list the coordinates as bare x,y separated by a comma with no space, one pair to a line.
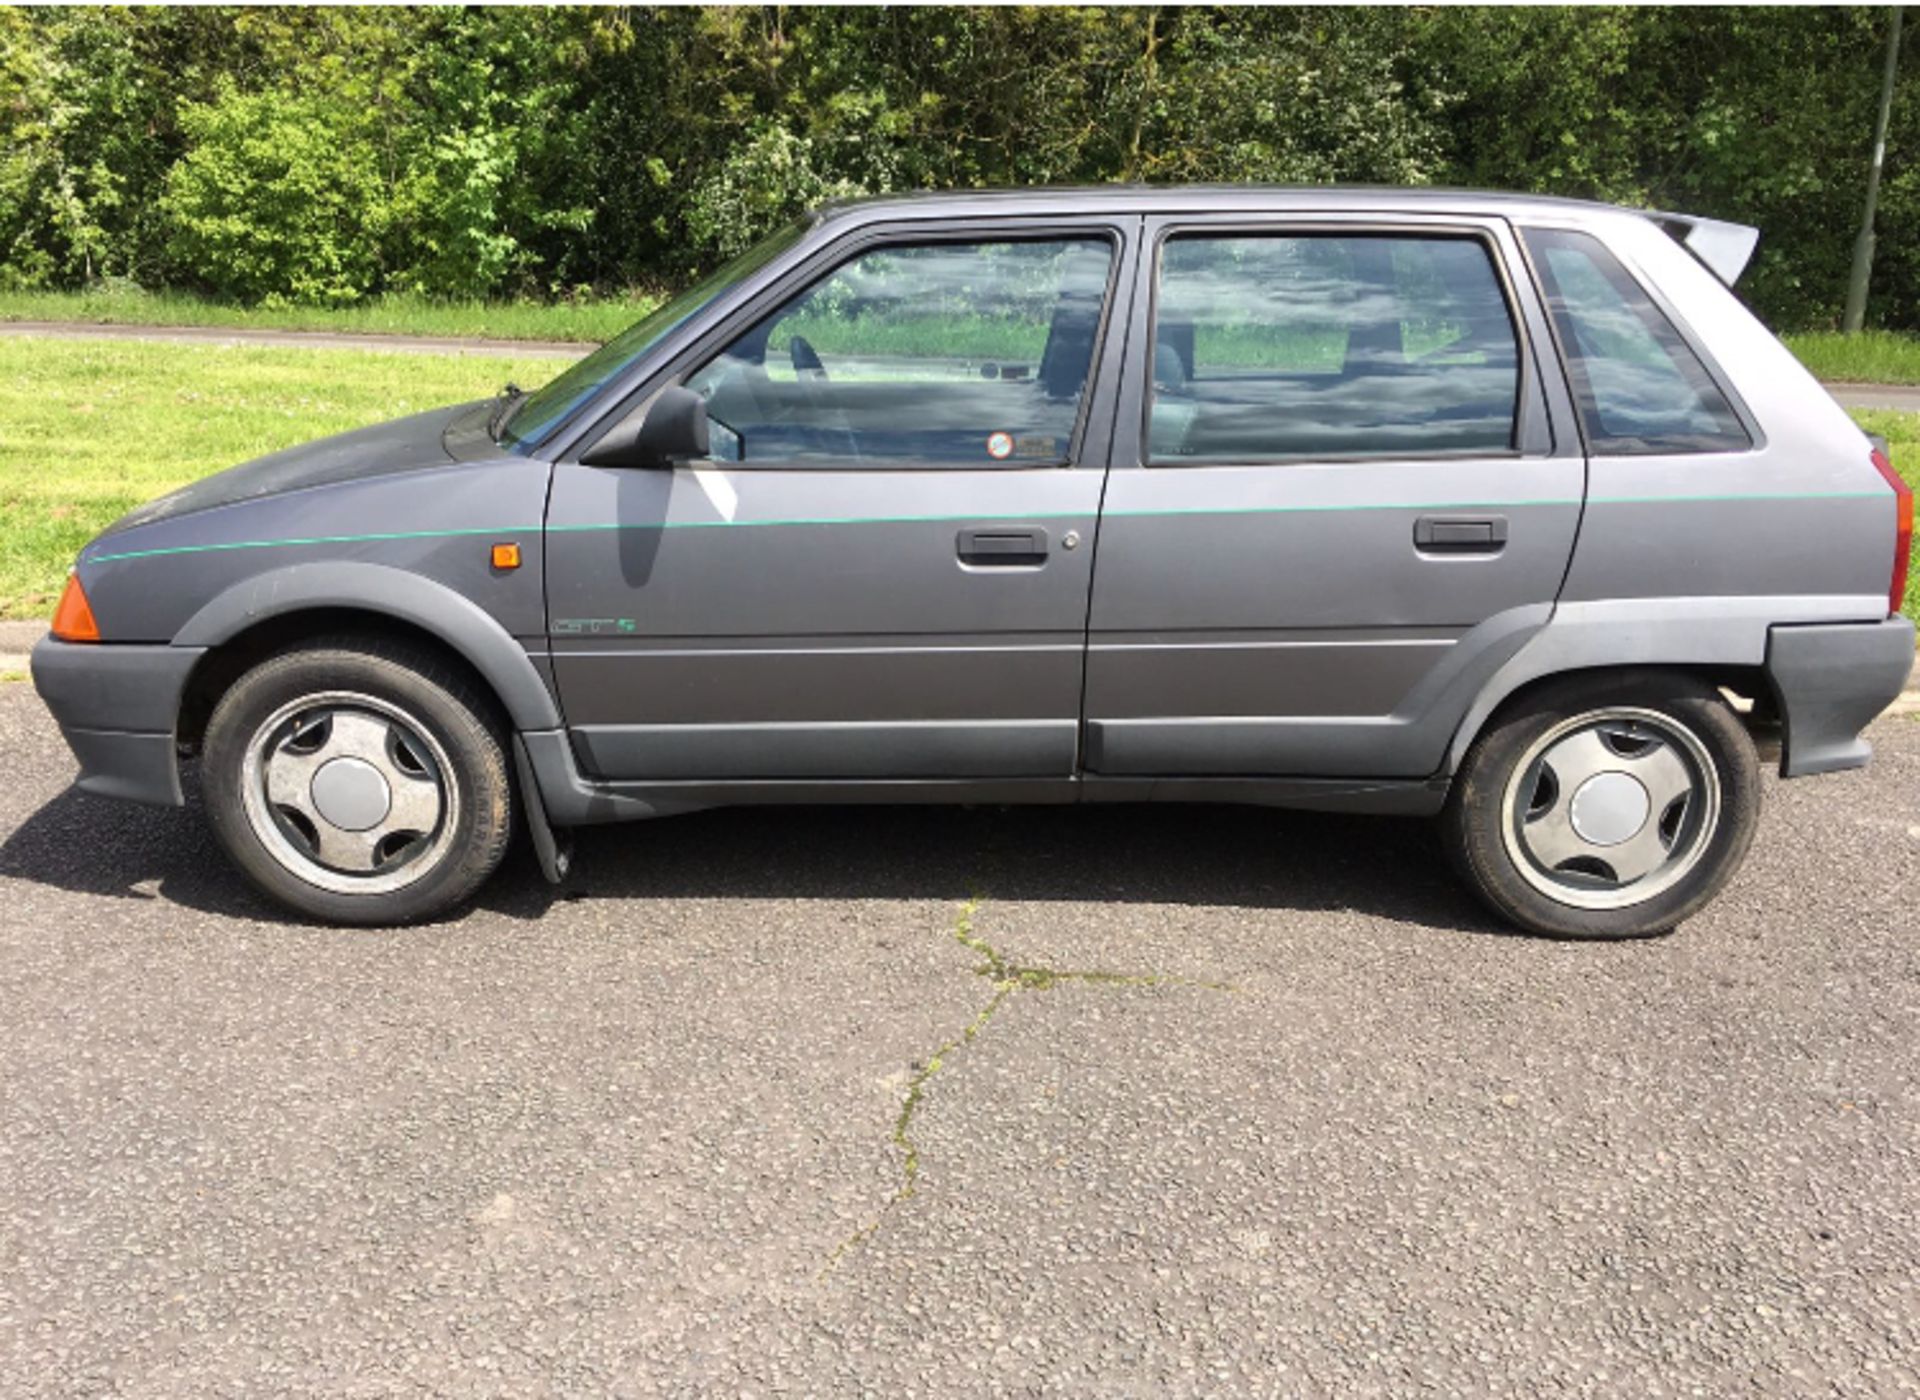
1856,313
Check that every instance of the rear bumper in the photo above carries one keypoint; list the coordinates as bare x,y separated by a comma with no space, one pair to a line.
1831,680
117,707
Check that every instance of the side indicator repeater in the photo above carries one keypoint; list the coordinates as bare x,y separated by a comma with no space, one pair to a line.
506,556
73,618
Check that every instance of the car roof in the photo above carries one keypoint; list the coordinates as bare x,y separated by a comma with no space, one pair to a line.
1200,199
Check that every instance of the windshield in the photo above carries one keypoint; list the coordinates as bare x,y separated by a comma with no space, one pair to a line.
547,407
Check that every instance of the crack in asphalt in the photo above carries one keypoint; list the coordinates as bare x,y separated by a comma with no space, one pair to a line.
1008,979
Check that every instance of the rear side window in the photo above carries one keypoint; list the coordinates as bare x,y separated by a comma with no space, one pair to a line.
1640,388
1321,346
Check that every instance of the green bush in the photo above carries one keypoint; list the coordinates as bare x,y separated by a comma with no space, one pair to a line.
278,199
485,113
764,183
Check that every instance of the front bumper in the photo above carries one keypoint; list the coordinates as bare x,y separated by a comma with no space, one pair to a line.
1831,680
117,707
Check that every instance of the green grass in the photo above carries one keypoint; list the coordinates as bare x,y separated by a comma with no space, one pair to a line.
591,321
1902,432
931,336
89,429
1871,357
947,337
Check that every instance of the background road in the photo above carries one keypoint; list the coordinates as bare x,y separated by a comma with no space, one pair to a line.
322,340
643,1138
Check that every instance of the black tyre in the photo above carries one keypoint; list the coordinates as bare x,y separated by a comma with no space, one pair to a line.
361,781
1607,806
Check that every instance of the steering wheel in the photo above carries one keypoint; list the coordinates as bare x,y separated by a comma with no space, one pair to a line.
806,360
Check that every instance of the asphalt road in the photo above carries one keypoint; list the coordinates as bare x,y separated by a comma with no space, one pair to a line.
1329,1130
317,340
1904,398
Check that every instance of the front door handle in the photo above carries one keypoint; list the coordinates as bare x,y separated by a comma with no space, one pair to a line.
1003,546
1460,534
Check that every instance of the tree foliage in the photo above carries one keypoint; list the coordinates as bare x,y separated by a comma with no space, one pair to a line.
278,197
298,154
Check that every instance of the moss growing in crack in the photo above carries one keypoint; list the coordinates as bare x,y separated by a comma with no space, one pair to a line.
1008,978
1004,972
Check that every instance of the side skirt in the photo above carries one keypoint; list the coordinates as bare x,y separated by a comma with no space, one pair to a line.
572,800
1412,797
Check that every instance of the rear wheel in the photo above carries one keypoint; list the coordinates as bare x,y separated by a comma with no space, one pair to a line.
1606,808
360,782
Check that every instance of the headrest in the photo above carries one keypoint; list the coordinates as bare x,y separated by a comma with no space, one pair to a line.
1169,370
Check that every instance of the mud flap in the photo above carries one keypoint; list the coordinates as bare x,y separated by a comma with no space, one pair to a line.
553,849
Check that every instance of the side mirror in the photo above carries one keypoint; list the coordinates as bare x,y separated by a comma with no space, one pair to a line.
673,429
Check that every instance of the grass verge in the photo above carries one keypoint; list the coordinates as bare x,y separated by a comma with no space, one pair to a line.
1871,357
392,315
89,429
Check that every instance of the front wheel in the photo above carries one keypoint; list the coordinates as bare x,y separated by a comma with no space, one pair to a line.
361,782
1608,808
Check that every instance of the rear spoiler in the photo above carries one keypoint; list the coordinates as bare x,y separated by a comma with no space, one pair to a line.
1723,249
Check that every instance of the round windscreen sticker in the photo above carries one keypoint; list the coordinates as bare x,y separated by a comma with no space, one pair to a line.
999,445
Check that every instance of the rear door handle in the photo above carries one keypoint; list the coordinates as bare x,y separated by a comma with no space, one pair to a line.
1003,546
1460,534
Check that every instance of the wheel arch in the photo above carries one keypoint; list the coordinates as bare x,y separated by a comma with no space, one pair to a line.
1751,697
1721,641
277,609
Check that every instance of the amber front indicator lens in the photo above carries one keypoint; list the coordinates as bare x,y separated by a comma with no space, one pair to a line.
73,619
506,556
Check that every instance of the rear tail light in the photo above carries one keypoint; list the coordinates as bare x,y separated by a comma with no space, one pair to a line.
73,619
1902,531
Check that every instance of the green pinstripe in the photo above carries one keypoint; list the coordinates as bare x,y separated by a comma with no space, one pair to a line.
971,516
311,539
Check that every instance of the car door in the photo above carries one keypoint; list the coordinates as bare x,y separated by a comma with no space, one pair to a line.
882,571
1338,500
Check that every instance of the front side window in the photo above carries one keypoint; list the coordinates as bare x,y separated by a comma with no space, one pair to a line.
1640,388
1276,347
933,354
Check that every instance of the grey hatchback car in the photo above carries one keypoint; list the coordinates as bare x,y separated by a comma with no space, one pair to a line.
1493,508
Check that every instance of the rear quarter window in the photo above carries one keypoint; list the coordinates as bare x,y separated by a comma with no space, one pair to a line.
1640,388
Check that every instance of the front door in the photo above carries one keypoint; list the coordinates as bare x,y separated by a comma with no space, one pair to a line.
883,572
1342,506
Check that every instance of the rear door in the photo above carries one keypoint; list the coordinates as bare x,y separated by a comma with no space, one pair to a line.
883,572
1338,499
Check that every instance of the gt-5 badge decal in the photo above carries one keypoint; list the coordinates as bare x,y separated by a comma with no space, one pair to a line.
593,626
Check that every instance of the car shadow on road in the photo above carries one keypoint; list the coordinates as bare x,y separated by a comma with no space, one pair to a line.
1246,857
97,846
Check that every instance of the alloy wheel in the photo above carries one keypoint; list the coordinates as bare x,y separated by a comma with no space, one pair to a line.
1611,807
349,793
